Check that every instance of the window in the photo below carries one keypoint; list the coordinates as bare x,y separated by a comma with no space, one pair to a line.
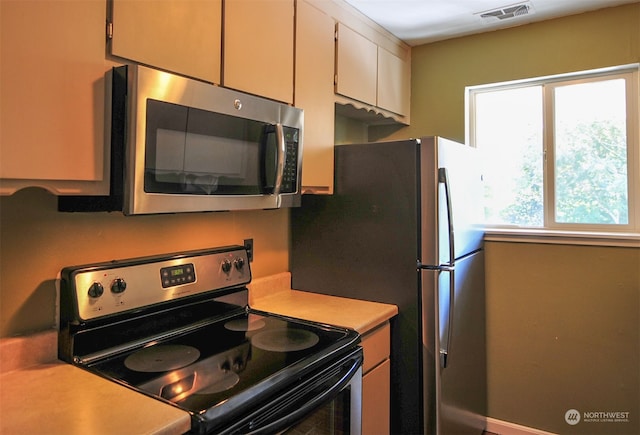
560,153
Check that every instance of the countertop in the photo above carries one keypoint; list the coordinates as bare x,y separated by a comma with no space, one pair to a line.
59,398
273,294
40,394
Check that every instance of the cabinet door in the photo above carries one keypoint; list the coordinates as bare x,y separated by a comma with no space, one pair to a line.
314,93
377,346
394,77
258,47
356,66
52,95
376,390
182,36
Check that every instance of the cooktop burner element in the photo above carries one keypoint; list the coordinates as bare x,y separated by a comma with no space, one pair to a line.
245,325
225,382
285,340
162,358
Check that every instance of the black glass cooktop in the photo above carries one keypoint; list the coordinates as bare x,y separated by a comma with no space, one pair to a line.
203,368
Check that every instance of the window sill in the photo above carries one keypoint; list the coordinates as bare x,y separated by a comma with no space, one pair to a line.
629,240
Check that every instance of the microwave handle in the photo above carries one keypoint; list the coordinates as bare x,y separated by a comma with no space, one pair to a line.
282,152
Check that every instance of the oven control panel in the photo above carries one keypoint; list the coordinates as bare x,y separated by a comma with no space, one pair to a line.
110,288
177,275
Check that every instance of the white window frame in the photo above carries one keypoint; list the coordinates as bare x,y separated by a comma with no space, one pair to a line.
554,232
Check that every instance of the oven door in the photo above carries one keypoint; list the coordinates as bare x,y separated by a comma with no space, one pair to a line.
328,402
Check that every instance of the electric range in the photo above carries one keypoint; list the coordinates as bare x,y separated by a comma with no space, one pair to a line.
178,328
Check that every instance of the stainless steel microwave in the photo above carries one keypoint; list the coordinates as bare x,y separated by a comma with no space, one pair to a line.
181,145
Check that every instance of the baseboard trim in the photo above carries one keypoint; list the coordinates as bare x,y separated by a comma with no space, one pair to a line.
502,427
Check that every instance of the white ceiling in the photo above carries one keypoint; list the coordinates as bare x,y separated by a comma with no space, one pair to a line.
421,21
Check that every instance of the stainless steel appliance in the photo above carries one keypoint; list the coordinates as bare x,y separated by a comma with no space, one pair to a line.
402,228
178,328
181,145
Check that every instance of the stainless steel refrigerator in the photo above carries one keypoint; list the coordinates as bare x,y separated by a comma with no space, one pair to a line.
403,227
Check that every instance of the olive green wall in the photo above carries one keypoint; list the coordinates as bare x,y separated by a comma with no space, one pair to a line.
563,332
36,241
440,71
563,321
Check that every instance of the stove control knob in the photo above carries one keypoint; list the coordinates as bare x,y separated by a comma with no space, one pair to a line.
95,290
239,263
118,285
226,266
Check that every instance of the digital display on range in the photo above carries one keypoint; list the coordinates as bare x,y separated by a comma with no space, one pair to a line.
177,275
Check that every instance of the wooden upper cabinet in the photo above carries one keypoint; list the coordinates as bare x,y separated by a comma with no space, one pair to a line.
314,93
52,96
182,36
356,66
373,70
394,82
259,47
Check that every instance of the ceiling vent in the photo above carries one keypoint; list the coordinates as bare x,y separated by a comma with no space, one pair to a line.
507,12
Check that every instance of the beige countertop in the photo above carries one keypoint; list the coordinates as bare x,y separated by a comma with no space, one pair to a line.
273,294
40,394
59,398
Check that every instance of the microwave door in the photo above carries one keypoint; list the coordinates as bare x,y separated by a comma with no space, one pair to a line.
272,158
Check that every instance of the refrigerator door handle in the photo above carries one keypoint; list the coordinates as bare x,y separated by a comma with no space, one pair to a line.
443,177
445,345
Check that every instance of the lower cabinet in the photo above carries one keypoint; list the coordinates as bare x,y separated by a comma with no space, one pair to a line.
376,381
375,399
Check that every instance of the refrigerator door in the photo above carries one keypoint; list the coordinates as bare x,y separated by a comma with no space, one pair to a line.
461,402
451,194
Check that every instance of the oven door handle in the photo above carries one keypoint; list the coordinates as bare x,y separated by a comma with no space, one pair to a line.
290,409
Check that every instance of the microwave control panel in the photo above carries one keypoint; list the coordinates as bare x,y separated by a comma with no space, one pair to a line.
290,177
